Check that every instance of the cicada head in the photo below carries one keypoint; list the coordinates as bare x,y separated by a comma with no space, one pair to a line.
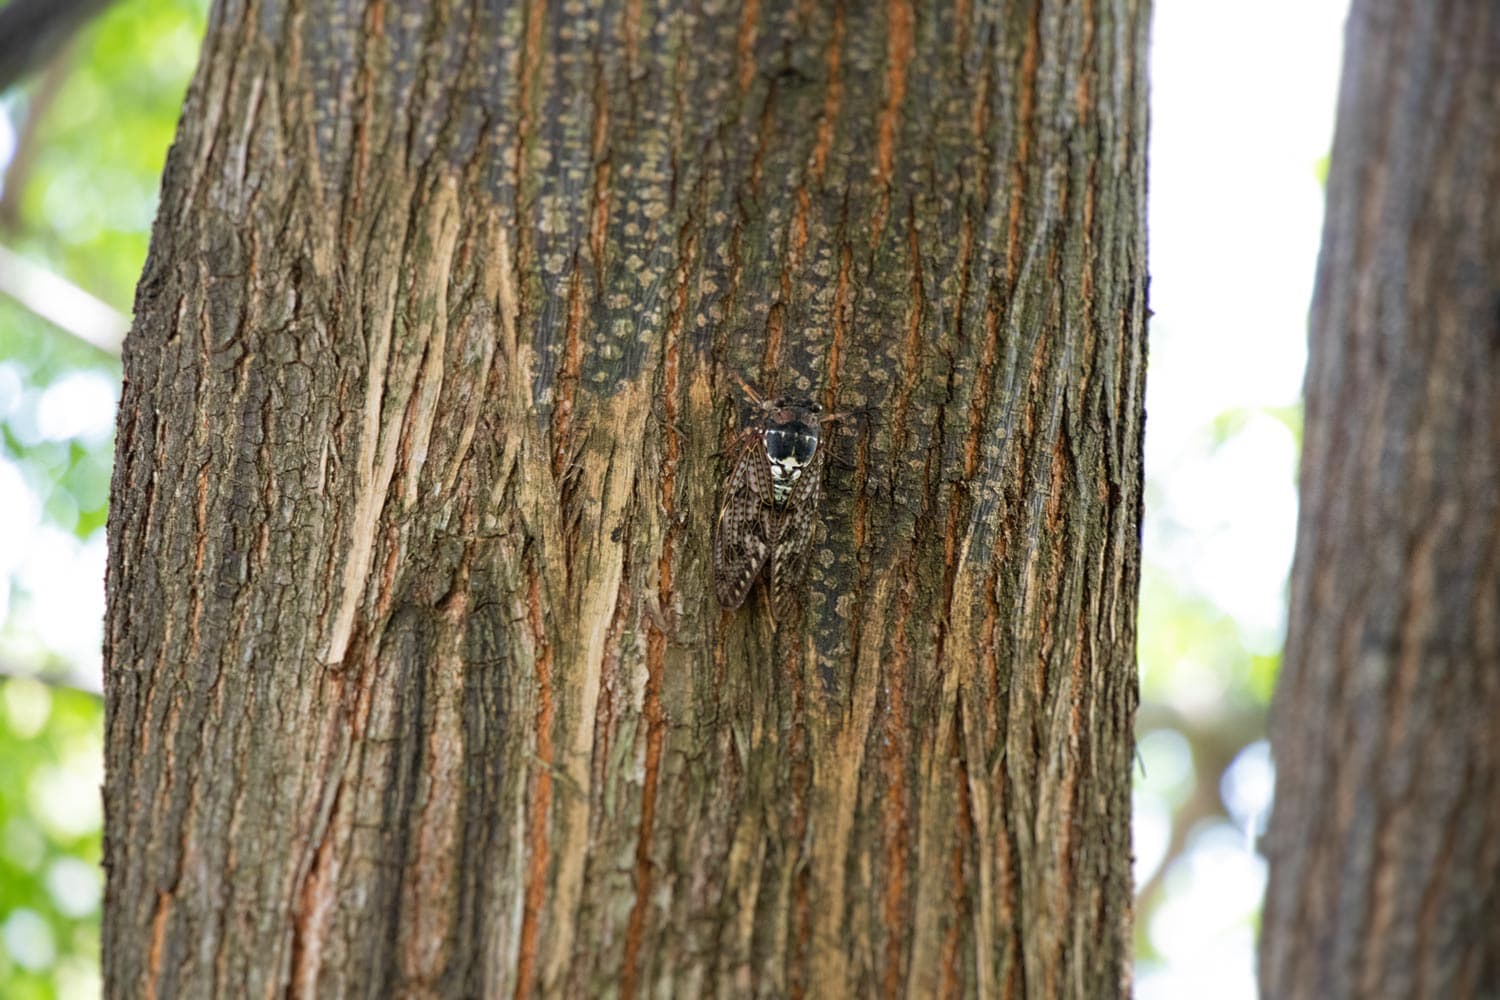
790,436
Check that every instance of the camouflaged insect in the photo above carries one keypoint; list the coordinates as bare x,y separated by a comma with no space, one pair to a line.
770,504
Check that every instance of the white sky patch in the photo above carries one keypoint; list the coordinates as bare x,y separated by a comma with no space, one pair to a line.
1163,780
1205,927
1150,833
63,580
19,511
7,140
1225,520
1246,788
75,886
78,405
1241,117
27,938
64,797
11,388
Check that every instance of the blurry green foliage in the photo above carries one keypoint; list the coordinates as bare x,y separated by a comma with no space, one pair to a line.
1191,650
88,205
50,881
69,475
86,202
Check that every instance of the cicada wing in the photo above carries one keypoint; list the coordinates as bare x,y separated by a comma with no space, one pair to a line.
794,535
743,533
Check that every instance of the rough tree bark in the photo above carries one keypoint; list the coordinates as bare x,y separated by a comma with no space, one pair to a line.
415,680
1385,840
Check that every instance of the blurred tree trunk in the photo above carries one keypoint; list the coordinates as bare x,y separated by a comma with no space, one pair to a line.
1385,840
416,684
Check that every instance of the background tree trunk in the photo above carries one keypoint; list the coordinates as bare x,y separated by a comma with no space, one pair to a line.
1385,840
416,684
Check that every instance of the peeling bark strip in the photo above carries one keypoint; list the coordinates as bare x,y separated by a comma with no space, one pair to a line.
1384,844
416,681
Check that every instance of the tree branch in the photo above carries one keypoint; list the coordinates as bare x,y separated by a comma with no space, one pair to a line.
28,137
62,303
1214,746
32,30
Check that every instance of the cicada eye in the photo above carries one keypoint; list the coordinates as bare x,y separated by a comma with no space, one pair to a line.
779,445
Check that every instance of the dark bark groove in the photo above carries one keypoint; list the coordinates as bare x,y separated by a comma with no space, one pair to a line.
415,680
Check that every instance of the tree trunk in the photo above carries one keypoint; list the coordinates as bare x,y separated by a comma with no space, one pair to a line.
1385,840
416,681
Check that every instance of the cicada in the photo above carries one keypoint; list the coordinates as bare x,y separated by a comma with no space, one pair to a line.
770,501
